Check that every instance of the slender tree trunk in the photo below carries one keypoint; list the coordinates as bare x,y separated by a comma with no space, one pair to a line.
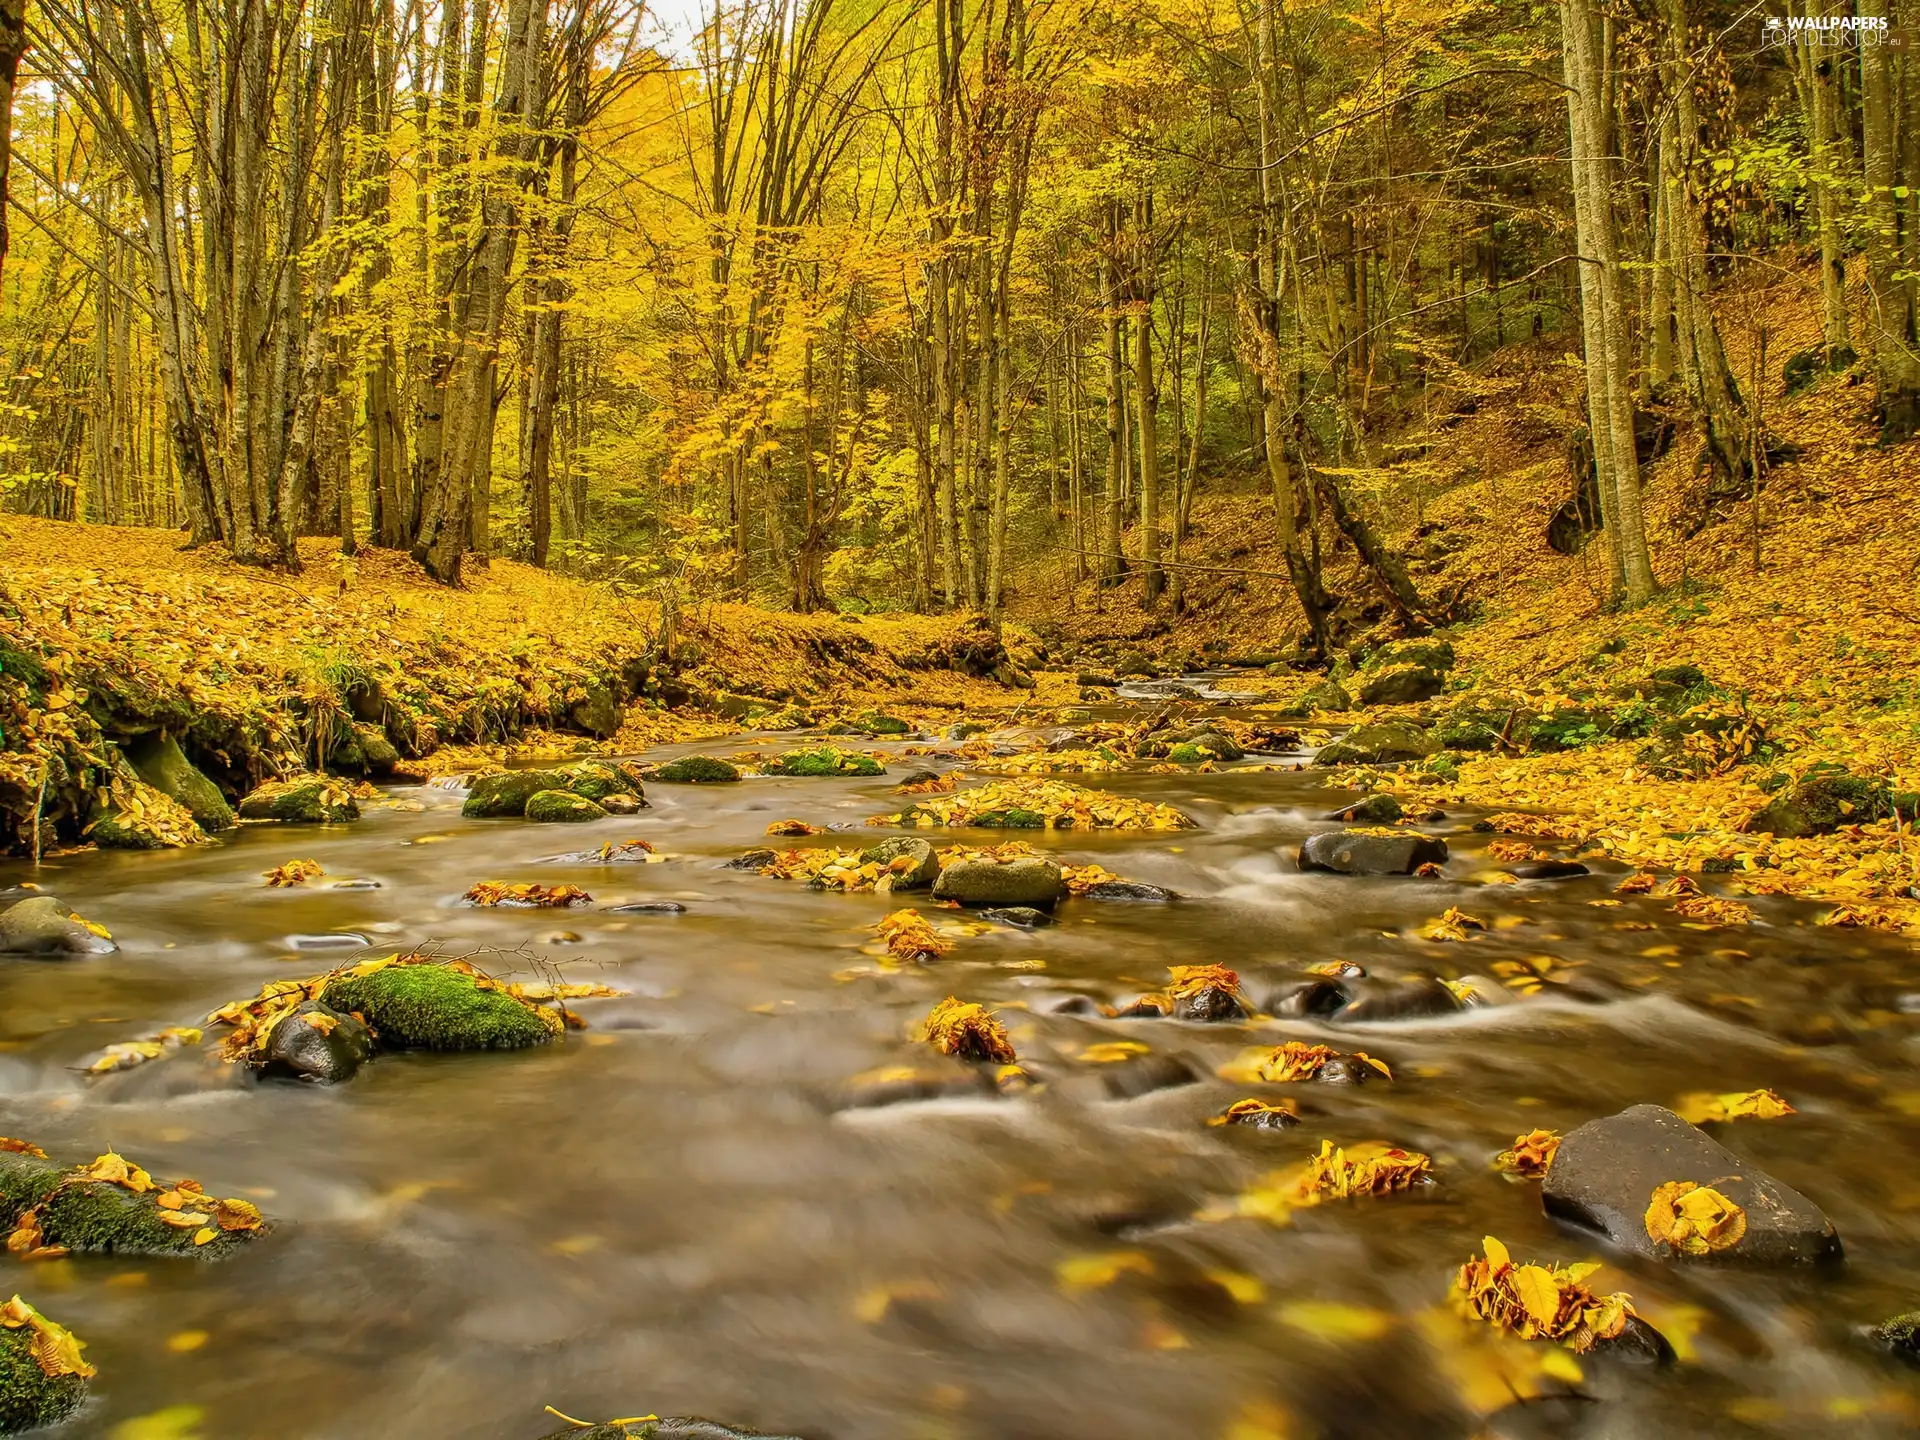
1148,402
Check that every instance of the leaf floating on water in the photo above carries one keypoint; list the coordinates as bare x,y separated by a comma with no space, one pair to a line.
1694,1219
1705,1108
1640,884
1536,1302
56,1349
962,1028
293,872
526,894
1530,1155
1866,917
1096,1272
1332,1321
910,938
1452,925
1113,1052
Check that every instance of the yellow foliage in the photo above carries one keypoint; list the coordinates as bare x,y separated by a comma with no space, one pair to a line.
1290,1061
1333,1173
1705,1109
1537,1302
1530,1155
909,937
1055,804
525,895
1452,925
957,1027
56,1350
293,872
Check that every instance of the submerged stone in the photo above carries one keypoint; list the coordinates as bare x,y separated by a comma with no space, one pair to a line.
1129,890
318,1043
671,1427
307,800
1605,1172
435,1007
1361,852
1373,1001
1901,1335
43,926
648,907
1550,870
991,882
1023,917
1144,1074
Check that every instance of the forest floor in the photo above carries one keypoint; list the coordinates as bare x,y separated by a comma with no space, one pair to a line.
1818,642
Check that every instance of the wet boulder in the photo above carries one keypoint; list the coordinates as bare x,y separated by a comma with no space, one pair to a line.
875,722
436,1007
1196,743
1021,917
43,926
1371,852
159,760
305,800
1130,890
549,807
1605,1173
913,862
1374,810
1314,997
142,818
1821,801
1391,743
319,1044
983,881
1379,1001
755,860
598,781
1401,685
507,792
31,1399
1144,1074
697,770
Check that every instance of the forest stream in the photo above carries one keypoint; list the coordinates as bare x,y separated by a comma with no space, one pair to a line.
677,1209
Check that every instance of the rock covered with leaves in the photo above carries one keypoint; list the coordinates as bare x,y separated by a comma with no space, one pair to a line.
113,1207
697,770
305,800
1542,1302
1654,1184
825,761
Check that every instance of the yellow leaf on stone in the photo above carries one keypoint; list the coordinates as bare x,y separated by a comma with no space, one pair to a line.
1694,1219
1537,1293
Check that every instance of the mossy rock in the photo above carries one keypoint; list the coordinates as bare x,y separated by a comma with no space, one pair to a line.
876,723
792,718
547,807
1401,685
435,1007
152,821
1388,744
92,1217
596,780
1821,802
827,760
377,753
1901,1335
967,729
1327,695
1011,818
697,770
159,760
1428,654
492,796
308,800
598,712
1468,735
31,1399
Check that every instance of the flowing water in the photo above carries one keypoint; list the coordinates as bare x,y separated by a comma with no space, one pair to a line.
667,1212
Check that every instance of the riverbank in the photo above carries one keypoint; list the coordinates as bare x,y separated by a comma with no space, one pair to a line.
111,635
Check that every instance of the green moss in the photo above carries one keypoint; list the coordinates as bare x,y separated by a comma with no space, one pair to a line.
594,780
493,796
549,806
160,762
697,770
1901,1333
874,723
827,760
433,1007
1010,819
29,1397
1186,753
310,800
1823,800
94,1218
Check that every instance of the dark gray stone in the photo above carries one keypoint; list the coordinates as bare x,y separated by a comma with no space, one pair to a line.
1316,997
328,1053
1408,685
648,907
1024,917
1606,1171
1550,870
1374,810
1385,1000
751,860
1144,1074
1354,852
